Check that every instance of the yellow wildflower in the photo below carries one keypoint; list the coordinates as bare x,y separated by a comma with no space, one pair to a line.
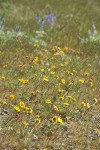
71,73
81,81
53,67
48,101
37,120
55,107
74,71
11,96
56,54
59,120
23,81
88,105
4,103
66,104
95,100
91,84
3,77
45,79
83,104
33,93
24,123
70,96
26,109
5,66
67,71
37,116
65,49
22,104
70,83
42,70
63,81
36,45
61,97
30,110
73,98
62,65
52,72
60,91
17,108
36,60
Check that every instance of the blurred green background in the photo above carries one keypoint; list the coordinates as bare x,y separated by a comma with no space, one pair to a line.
74,19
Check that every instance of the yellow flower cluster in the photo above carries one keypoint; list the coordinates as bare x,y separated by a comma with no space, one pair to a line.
23,81
22,107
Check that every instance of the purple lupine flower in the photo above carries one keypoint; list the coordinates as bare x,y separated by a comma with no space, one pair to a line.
50,18
53,19
42,24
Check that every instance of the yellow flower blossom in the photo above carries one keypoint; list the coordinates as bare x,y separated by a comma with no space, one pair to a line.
3,77
95,100
36,60
65,49
26,109
83,104
23,81
66,104
5,66
81,81
56,54
36,45
91,84
70,83
53,67
33,93
70,96
52,72
47,101
71,73
63,81
62,65
74,71
59,120
60,91
37,120
30,110
25,123
4,103
61,97
45,79
55,107
73,98
11,96
22,104
42,70
67,71
17,108
88,105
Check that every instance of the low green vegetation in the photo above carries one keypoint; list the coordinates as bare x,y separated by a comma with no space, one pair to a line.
49,75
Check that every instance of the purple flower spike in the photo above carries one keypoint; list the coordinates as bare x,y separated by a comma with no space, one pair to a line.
42,24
